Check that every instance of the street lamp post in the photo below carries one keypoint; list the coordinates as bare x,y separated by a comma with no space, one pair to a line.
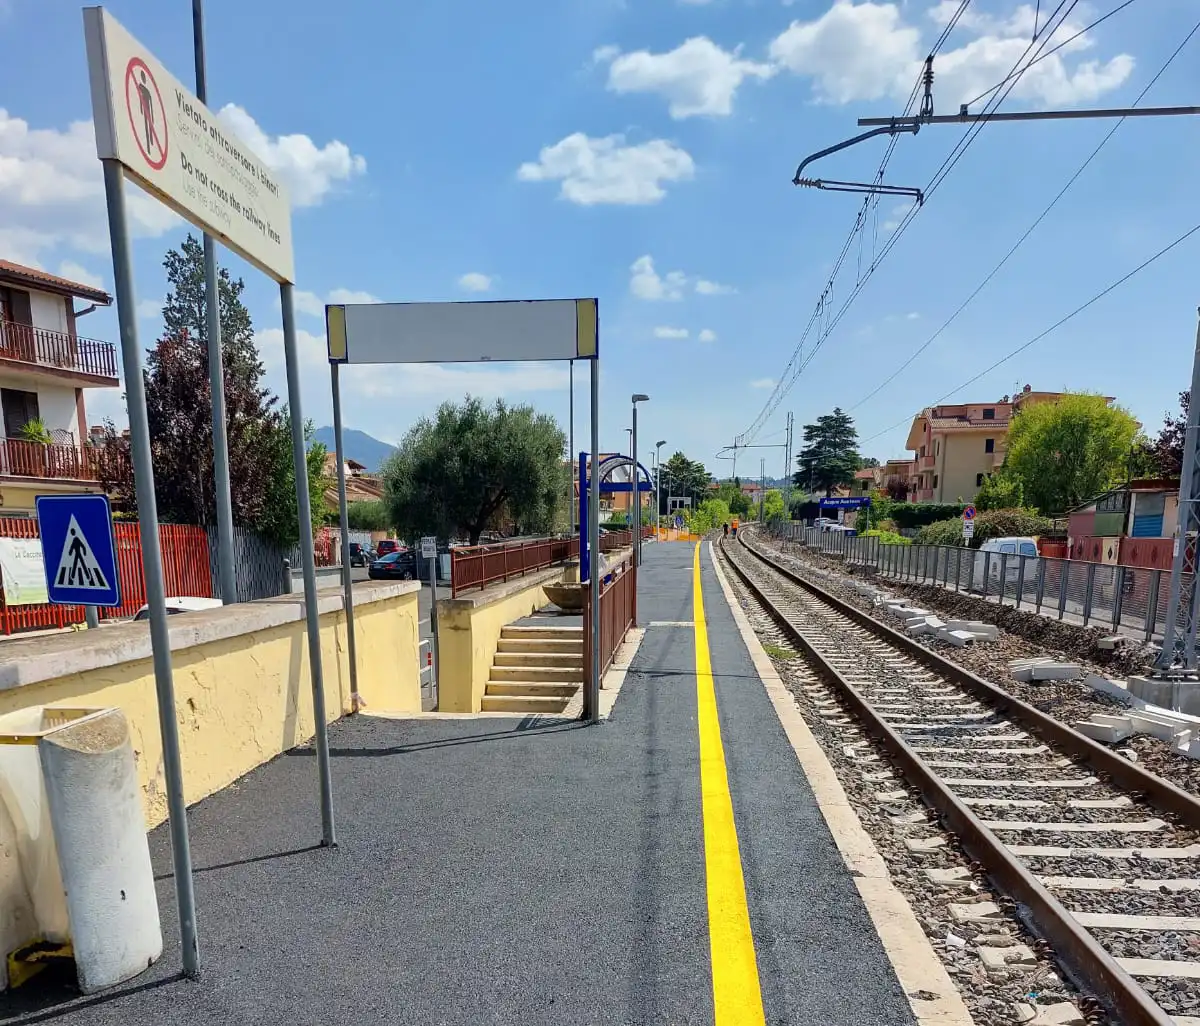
657,478
637,496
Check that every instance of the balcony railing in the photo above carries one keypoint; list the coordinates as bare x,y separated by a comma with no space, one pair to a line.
33,459
925,462
56,349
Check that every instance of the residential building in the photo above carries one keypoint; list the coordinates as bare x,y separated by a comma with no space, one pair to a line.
899,478
361,485
958,446
45,367
1131,525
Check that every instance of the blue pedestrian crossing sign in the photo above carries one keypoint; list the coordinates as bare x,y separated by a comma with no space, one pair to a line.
78,550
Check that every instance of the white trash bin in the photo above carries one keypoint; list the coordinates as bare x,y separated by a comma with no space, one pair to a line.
72,824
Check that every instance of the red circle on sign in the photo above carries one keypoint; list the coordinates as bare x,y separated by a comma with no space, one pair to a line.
146,133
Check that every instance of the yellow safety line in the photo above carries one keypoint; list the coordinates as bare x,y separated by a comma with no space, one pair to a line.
737,997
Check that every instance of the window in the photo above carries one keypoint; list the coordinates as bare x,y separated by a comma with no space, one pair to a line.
19,409
1009,547
978,480
937,447
935,477
989,414
14,306
989,445
1028,549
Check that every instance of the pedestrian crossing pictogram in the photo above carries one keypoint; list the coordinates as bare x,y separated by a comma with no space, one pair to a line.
77,566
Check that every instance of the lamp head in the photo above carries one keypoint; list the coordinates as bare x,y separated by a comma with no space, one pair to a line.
639,398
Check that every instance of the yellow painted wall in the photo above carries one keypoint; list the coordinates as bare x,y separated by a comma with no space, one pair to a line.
243,700
468,635
961,458
19,499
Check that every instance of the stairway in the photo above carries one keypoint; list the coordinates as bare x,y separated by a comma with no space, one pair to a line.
535,669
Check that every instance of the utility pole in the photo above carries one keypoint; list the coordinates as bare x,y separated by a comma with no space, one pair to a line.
787,471
762,487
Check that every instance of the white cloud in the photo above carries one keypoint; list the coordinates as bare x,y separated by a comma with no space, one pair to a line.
607,170
912,316
604,54
77,272
52,193
867,51
312,304
712,288
645,282
697,77
763,383
309,171
473,281
665,332
148,309
899,211
707,335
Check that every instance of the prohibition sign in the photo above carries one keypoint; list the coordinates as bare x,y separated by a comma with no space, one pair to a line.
147,115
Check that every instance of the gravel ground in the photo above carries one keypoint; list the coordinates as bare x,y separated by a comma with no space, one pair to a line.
1067,701
991,995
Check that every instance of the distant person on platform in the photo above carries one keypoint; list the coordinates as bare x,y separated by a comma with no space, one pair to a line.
726,528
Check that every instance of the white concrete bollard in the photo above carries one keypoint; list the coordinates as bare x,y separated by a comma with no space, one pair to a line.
96,810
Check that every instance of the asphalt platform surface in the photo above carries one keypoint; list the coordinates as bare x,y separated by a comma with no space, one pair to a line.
506,871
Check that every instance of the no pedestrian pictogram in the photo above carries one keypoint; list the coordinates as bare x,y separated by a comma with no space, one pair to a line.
147,115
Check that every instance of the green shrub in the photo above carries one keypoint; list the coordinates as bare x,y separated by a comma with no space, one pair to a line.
888,537
992,523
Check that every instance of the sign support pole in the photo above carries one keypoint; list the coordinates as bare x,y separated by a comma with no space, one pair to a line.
591,698
143,476
308,561
571,450
227,573
344,523
434,685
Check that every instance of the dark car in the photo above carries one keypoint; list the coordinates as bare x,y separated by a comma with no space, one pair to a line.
359,556
394,566
386,546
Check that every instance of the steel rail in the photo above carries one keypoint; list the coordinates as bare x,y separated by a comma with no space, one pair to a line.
1079,952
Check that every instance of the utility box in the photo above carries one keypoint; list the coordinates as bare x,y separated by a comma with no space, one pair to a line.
75,873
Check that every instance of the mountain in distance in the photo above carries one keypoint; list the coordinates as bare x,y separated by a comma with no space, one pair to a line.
358,445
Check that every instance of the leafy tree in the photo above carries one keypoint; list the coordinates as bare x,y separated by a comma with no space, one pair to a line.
1070,450
993,523
737,500
179,410
868,462
708,516
773,505
1167,449
1001,490
277,520
830,454
681,476
473,467
368,515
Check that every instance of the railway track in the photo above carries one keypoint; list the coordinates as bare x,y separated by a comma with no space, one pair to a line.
1101,857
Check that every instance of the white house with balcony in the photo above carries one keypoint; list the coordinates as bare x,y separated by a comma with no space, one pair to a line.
45,367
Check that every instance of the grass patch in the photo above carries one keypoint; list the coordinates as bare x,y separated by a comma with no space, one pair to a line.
779,652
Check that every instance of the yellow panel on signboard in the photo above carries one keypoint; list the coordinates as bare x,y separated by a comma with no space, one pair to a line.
335,332
586,327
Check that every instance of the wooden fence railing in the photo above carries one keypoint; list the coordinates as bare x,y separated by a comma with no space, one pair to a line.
476,566
618,612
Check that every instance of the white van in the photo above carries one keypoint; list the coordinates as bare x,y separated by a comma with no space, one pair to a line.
999,547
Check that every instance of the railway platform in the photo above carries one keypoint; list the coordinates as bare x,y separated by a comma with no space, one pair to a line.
670,865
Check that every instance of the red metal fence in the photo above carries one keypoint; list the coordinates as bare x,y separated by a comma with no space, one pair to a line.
186,571
618,612
475,566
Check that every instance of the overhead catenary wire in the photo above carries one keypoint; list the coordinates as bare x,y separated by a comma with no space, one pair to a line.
1028,231
793,370
820,314
1053,327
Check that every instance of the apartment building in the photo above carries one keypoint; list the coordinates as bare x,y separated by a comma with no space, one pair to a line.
45,367
958,446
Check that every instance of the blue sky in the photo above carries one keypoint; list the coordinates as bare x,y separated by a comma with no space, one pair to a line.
642,151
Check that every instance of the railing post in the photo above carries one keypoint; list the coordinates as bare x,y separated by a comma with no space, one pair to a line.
971,572
1118,596
987,572
1064,577
1087,593
1041,583
1152,604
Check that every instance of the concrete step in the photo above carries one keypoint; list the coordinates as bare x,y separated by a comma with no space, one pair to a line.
547,674
572,646
512,631
523,704
531,689
539,659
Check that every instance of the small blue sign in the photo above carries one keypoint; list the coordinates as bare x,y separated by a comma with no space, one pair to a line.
846,502
78,550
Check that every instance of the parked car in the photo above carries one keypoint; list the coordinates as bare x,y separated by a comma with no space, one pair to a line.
388,545
360,555
394,566
182,604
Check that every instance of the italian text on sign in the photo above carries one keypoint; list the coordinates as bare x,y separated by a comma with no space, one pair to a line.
177,149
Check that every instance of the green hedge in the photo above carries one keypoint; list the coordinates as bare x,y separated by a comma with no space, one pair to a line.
888,537
919,514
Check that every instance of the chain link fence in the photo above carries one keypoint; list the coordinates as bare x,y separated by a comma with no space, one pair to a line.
1128,598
